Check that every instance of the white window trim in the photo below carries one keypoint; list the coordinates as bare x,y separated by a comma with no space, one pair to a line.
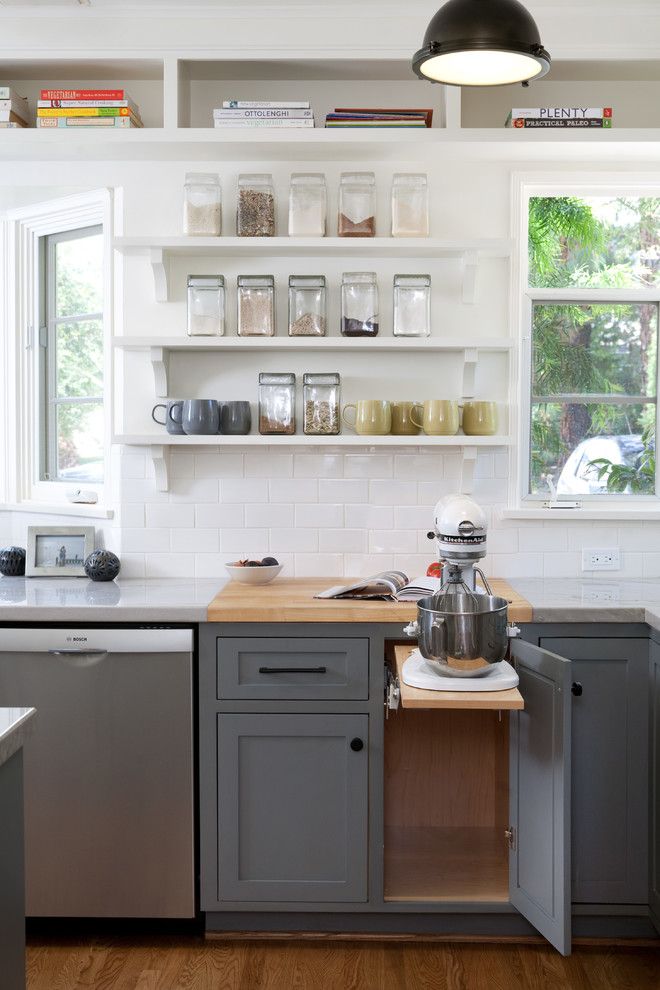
19,312
523,186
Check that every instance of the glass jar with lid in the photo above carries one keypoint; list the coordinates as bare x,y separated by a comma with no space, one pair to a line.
359,304
206,305
321,404
202,204
256,305
277,403
410,205
255,209
307,205
357,204
412,306
307,297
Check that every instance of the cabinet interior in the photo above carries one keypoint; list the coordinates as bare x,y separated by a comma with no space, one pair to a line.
446,806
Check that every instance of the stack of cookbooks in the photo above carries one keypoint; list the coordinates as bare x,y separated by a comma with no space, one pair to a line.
264,113
87,108
13,109
370,117
560,117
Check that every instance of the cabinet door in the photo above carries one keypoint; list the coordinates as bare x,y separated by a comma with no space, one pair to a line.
609,768
292,807
654,878
540,795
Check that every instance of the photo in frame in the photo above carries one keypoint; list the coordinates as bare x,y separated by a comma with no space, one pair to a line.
58,551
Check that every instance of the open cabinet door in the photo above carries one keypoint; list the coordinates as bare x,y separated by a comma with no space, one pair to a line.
540,794
654,791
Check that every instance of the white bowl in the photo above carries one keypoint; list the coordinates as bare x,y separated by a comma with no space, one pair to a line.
253,575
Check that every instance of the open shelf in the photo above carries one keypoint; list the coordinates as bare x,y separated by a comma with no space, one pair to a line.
331,344
450,863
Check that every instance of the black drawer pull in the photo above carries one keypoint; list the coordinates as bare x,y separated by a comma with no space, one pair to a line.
292,670
576,688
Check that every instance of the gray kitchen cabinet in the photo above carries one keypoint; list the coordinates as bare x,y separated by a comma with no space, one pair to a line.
609,761
654,736
292,807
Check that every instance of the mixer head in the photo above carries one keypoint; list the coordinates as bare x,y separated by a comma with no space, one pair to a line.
460,527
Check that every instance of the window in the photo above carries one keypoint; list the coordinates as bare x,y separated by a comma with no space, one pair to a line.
593,299
72,357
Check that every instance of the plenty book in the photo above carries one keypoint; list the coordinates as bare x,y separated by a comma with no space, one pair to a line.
394,586
522,117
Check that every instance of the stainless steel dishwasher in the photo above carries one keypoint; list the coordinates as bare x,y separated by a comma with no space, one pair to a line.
109,786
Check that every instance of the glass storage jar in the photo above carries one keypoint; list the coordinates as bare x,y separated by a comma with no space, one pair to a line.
277,403
256,305
359,304
321,404
357,204
202,204
410,205
307,205
206,305
255,209
412,306
307,306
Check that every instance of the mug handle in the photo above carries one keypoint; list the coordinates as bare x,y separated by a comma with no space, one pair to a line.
161,405
351,405
412,415
176,407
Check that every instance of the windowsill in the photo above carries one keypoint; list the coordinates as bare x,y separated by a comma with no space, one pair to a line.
587,514
82,510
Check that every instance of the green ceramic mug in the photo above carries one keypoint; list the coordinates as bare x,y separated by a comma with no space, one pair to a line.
480,418
402,424
373,417
437,417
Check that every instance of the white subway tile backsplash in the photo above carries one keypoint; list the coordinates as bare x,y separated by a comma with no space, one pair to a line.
319,564
428,492
343,540
177,565
365,564
145,540
131,515
219,465
368,465
369,516
651,565
212,564
294,491
564,564
318,466
182,464
392,541
222,516
173,516
132,565
536,536
194,490
243,490
195,541
133,466
141,490
392,492
318,515
425,466
417,517
514,565
245,541
269,515
265,464
414,564
293,541
343,490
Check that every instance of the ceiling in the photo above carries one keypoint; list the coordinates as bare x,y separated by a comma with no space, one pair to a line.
533,5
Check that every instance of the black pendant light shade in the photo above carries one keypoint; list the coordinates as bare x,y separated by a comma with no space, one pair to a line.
481,43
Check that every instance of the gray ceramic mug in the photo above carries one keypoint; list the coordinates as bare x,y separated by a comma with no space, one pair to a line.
199,417
173,428
235,417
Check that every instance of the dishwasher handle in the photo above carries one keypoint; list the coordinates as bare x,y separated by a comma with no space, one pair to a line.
80,658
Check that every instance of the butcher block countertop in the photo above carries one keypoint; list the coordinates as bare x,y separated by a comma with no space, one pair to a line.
292,600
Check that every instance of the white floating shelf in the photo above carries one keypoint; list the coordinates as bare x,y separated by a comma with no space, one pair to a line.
160,349
468,252
161,446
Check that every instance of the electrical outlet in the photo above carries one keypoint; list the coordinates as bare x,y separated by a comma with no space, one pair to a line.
605,593
608,559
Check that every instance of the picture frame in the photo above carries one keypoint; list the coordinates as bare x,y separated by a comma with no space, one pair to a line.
58,551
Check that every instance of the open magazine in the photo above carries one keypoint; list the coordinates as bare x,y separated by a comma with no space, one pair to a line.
392,586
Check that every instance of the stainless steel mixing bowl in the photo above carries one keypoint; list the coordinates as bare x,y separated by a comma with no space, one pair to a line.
464,636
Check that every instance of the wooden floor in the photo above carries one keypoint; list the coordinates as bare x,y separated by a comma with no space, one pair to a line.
190,963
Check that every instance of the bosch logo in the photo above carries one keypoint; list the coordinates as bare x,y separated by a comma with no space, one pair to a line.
76,639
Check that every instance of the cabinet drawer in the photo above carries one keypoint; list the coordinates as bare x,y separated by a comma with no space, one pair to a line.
292,669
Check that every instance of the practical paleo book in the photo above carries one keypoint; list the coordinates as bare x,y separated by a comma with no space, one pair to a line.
389,586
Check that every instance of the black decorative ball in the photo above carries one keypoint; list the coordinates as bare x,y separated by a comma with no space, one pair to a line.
102,565
12,561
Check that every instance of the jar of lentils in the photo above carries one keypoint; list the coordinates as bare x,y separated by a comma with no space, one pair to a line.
321,394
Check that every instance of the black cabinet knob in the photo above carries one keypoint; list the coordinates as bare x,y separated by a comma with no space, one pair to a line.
576,688
357,745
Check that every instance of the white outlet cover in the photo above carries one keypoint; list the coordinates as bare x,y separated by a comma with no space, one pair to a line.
601,559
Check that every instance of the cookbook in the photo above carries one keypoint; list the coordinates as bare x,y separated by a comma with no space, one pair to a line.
389,586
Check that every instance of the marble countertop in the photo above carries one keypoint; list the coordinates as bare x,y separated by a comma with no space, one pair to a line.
14,724
128,600
574,600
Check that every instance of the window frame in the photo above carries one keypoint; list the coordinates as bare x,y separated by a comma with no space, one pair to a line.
23,234
525,187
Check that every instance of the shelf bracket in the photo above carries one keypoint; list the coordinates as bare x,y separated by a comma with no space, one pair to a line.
467,469
160,362
470,358
160,456
160,266
470,268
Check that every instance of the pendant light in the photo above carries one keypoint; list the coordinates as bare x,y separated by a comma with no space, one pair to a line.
481,43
